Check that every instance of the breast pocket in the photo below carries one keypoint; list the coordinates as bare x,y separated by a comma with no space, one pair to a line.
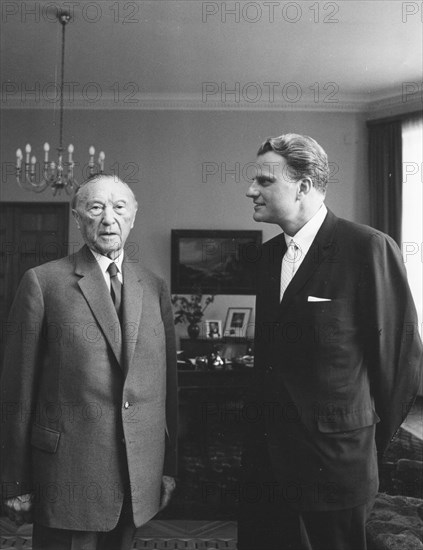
328,350
330,323
334,311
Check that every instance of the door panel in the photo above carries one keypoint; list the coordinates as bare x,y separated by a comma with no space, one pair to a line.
30,235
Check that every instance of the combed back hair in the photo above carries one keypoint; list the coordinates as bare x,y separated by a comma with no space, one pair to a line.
303,155
94,179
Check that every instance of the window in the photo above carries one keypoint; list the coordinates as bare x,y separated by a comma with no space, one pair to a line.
412,208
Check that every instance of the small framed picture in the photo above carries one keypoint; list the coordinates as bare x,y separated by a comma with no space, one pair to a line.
213,329
236,322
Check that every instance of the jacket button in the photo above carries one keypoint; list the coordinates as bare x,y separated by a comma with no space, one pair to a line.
123,440
269,368
126,405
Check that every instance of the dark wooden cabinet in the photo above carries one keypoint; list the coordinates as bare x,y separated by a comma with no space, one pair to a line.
211,424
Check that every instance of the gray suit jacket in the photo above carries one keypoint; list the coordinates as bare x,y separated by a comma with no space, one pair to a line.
85,402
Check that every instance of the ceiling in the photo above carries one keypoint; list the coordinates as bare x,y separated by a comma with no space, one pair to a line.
130,52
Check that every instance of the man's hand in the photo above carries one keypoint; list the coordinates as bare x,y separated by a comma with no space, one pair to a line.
168,486
19,509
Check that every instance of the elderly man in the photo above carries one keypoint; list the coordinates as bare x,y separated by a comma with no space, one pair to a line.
89,387
337,355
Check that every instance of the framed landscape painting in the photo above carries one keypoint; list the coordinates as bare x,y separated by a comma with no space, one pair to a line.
214,261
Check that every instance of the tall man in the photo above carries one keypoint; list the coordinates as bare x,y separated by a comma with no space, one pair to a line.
89,387
338,360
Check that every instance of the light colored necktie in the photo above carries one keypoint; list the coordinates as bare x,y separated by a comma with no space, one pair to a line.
115,287
288,265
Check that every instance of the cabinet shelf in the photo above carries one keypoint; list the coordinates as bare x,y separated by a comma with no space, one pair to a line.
229,347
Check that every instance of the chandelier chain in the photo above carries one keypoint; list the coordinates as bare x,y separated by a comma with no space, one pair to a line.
62,82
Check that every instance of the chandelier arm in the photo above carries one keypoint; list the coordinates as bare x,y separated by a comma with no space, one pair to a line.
26,184
37,187
40,188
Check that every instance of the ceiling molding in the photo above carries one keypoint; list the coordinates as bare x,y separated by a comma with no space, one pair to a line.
353,103
403,103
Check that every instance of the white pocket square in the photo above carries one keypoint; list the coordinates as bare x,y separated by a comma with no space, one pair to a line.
316,299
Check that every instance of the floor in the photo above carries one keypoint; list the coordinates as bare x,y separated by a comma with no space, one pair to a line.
183,534
169,535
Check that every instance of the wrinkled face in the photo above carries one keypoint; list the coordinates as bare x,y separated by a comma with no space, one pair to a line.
274,191
105,215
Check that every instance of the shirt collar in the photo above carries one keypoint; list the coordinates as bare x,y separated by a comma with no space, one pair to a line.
104,261
305,236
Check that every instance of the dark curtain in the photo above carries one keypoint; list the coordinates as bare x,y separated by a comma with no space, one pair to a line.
385,176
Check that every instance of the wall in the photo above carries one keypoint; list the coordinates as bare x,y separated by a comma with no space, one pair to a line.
170,148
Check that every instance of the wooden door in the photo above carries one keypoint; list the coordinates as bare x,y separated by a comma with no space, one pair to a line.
30,235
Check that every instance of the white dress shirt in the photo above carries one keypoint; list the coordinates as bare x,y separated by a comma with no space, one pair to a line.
104,262
306,235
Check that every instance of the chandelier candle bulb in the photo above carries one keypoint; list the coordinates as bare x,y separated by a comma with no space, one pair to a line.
19,157
33,162
91,151
101,158
70,151
46,150
27,151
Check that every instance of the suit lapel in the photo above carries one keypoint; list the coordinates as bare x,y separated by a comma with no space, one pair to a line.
132,308
322,247
94,288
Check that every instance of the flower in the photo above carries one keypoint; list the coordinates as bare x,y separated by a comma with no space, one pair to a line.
190,311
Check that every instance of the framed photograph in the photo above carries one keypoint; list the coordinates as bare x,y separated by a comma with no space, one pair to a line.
213,329
237,321
215,261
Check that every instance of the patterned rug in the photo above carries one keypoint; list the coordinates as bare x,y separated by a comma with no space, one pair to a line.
160,535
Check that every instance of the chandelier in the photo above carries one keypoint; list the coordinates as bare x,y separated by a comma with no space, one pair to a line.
55,174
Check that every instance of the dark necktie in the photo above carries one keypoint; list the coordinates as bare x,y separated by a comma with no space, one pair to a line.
115,287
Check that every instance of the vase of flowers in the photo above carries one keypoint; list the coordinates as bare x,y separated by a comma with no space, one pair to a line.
190,311
193,330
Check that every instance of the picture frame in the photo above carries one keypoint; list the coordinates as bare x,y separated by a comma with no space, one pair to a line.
213,329
236,322
214,261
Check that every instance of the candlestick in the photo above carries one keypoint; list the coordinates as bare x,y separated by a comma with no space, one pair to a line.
91,151
19,157
33,161
46,150
27,151
101,158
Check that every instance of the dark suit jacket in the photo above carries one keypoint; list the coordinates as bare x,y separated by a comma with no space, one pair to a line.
331,373
85,403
